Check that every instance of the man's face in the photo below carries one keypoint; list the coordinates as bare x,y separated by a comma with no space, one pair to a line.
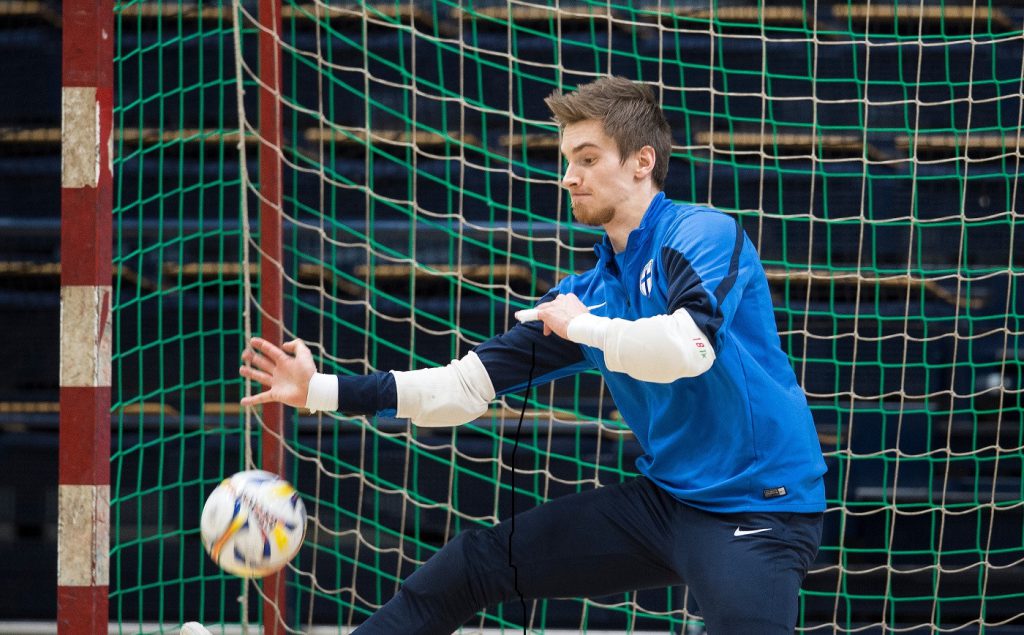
597,180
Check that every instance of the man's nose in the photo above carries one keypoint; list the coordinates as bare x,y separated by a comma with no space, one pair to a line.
570,179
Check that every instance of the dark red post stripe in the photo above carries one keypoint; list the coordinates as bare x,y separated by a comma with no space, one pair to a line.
86,245
270,263
81,439
88,43
84,609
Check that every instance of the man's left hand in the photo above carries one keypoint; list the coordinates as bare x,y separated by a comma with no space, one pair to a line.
557,313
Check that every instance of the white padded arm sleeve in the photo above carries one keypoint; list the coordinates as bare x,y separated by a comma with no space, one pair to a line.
323,393
659,349
448,396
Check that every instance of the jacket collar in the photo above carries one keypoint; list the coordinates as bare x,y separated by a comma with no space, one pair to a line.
655,210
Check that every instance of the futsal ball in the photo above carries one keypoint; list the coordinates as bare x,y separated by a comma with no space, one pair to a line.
253,524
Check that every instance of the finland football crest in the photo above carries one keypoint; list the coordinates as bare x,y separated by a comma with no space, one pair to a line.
646,277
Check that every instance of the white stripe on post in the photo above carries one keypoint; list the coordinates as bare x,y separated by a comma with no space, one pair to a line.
83,535
85,338
80,137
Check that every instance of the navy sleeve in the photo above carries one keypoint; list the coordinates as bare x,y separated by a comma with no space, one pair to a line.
367,394
509,357
701,279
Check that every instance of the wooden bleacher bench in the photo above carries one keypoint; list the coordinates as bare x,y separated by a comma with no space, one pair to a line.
47,272
308,273
475,273
754,15
35,138
790,143
387,13
358,137
25,269
977,144
174,11
29,12
538,144
383,12
149,408
565,14
22,276
902,284
29,407
930,16
50,137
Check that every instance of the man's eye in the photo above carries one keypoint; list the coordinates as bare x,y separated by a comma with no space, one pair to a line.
588,161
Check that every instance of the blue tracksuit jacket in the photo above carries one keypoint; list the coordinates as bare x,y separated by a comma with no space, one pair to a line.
736,438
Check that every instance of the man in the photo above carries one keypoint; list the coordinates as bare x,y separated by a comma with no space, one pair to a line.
730,497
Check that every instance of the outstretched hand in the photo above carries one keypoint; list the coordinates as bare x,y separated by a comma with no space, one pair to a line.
285,371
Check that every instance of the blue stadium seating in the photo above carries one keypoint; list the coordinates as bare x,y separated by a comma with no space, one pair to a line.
30,58
30,187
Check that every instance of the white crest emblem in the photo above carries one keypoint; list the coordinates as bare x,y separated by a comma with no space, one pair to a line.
646,277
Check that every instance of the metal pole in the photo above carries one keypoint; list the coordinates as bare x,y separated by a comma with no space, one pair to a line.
83,538
270,264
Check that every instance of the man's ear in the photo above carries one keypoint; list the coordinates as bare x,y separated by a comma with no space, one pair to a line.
646,159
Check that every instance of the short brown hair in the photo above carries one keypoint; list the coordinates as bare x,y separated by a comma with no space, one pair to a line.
628,112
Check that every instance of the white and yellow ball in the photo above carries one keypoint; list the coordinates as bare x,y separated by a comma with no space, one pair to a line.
253,523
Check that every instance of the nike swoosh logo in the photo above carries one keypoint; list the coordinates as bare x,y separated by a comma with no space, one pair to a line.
747,532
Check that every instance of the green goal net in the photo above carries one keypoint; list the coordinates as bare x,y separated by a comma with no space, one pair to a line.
872,153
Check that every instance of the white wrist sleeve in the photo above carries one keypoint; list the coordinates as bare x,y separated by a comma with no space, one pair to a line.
659,349
447,396
323,393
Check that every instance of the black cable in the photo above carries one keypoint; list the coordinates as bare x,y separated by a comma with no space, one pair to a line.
515,448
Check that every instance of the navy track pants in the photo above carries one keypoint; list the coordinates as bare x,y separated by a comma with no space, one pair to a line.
610,540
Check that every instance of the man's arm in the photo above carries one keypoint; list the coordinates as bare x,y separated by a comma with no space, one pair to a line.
448,395
658,349
289,374
456,393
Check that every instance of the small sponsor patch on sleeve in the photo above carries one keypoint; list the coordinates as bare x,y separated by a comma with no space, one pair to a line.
773,492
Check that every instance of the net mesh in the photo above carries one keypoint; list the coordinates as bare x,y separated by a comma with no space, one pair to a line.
871,152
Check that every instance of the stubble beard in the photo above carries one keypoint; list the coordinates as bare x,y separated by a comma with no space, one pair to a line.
593,218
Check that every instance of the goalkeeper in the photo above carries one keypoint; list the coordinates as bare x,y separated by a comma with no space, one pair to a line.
730,495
